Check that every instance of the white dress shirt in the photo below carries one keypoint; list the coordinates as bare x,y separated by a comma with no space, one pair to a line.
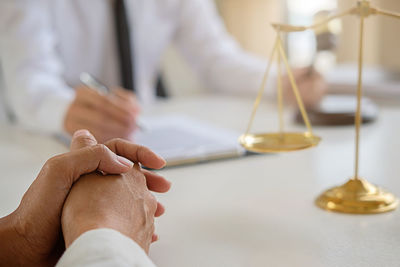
46,44
104,248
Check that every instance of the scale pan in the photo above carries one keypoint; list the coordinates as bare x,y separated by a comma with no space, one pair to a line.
278,142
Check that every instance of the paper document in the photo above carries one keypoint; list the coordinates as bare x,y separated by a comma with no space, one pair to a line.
183,140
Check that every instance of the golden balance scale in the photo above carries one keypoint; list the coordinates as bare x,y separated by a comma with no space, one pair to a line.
357,195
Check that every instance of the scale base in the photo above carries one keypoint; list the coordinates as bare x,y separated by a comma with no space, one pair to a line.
278,142
357,196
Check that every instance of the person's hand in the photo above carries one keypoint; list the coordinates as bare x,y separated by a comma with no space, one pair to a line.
31,235
120,202
105,116
312,87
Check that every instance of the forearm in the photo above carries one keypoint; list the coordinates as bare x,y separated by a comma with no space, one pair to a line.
16,249
38,97
32,70
10,244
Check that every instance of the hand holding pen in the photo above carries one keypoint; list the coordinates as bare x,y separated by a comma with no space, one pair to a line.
106,113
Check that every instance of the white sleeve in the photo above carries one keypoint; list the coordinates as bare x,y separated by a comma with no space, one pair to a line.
103,248
32,70
221,63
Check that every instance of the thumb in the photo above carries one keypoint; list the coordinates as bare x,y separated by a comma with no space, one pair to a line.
74,164
82,139
98,157
111,163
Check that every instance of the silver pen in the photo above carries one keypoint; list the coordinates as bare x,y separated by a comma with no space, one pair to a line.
90,81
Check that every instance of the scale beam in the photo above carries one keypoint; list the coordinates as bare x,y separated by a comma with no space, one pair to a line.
363,9
387,14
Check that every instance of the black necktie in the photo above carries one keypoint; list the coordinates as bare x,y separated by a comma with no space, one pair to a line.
124,45
125,50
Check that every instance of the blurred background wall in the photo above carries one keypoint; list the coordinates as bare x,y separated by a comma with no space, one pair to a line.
382,37
248,21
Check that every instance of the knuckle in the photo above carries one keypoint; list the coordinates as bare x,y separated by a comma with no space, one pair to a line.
114,142
137,178
100,149
117,140
55,163
141,178
85,140
151,202
152,229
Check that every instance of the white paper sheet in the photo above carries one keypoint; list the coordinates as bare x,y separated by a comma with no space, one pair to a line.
182,140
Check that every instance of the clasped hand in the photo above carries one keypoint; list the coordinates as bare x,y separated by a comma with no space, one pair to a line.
93,186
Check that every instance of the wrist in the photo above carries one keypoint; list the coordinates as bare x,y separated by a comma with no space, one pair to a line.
12,242
18,248
73,231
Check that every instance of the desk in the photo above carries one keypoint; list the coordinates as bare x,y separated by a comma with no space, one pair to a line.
254,211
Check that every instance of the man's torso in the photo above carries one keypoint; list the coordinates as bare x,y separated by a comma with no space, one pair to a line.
86,39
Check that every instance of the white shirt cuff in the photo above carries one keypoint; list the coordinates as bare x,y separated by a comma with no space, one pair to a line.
104,247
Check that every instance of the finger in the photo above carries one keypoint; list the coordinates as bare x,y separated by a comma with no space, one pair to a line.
89,159
124,94
82,139
136,153
160,210
154,238
155,182
128,98
117,107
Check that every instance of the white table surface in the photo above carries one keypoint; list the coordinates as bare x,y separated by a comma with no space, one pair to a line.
254,211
